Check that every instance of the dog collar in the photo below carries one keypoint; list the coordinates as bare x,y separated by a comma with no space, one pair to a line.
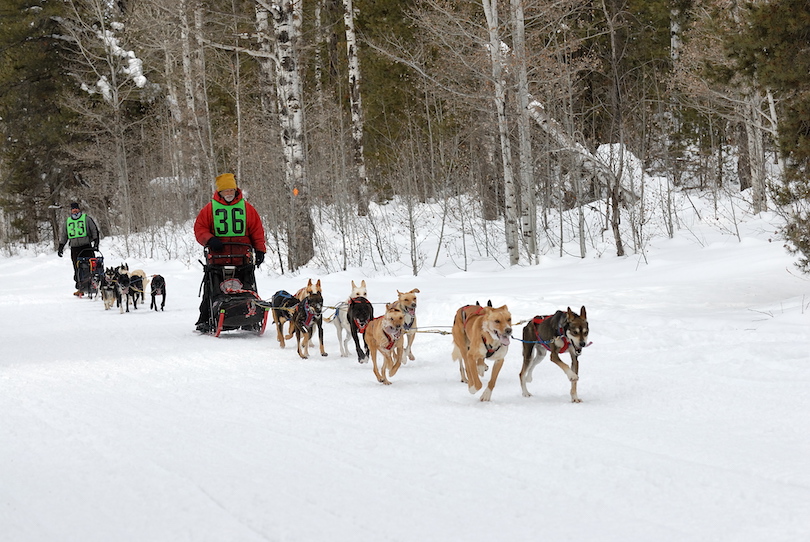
491,351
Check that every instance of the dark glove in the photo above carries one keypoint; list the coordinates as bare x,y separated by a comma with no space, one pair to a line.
59,252
215,243
259,257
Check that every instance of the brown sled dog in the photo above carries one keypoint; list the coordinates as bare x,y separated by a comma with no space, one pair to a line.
481,333
384,335
564,331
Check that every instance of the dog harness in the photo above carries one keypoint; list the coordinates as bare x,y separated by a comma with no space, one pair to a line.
491,351
391,338
410,317
465,315
560,333
361,326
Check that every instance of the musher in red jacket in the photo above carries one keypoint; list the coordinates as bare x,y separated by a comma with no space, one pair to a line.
228,217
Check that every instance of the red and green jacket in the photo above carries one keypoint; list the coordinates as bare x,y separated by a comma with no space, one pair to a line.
236,222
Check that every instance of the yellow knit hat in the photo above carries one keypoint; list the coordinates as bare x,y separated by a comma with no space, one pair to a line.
225,181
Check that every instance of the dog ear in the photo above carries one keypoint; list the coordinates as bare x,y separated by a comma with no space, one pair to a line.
318,285
363,283
582,312
489,302
414,291
354,285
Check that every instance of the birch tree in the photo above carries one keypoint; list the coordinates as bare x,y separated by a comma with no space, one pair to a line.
287,20
496,51
528,201
356,106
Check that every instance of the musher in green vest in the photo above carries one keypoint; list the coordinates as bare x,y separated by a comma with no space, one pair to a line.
228,218
80,233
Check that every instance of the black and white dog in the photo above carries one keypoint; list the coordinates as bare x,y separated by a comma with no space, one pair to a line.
128,288
109,288
341,317
158,289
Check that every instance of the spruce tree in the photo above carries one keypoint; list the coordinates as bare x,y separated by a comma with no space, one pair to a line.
775,49
35,169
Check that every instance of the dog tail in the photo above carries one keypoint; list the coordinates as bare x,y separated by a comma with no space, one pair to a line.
456,353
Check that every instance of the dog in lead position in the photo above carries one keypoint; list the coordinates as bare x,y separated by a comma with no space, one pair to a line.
109,288
158,289
480,334
384,335
563,331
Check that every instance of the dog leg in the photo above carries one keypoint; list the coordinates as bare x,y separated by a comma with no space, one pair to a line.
390,366
320,338
394,365
380,375
411,338
302,337
496,368
460,359
471,366
529,363
575,368
362,357
280,331
572,376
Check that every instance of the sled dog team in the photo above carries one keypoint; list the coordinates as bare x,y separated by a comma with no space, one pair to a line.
122,287
481,335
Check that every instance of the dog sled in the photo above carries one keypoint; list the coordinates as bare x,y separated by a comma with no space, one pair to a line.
229,291
89,272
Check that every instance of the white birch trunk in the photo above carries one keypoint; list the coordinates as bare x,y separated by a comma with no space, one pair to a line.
287,20
356,106
528,201
752,113
190,115
510,194
201,89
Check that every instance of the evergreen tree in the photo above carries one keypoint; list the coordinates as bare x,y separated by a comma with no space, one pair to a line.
35,168
774,49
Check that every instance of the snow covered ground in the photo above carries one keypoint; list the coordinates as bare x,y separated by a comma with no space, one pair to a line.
693,426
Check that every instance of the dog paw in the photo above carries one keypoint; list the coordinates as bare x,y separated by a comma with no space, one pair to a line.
526,394
573,377
576,400
410,357
324,354
487,395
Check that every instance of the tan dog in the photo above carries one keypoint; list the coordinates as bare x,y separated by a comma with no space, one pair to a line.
144,282
559,333
384,334
481,333
406,301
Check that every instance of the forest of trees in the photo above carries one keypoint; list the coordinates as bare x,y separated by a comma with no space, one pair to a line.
134,106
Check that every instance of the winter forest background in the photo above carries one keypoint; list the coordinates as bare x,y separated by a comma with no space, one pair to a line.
507,115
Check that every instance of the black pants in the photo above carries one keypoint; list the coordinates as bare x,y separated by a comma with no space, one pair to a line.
75,253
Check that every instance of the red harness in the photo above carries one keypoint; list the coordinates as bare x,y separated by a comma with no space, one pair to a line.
561,333
361,326
391,340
